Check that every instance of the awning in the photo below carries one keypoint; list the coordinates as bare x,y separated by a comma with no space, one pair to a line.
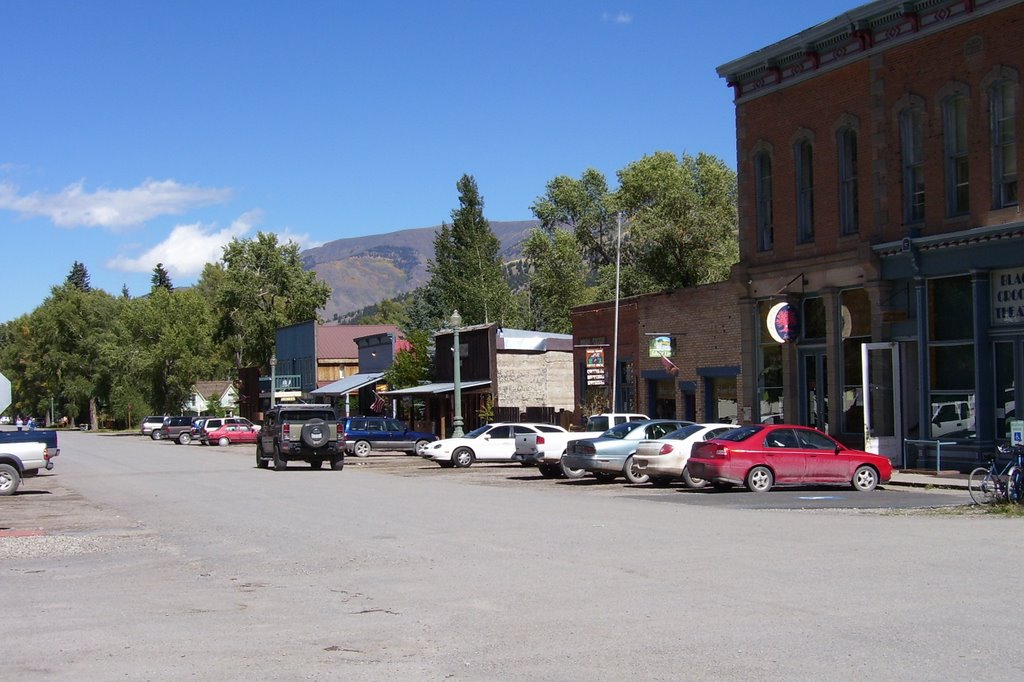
428,389
348,384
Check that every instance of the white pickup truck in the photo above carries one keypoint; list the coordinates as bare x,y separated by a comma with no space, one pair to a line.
546,449
23,454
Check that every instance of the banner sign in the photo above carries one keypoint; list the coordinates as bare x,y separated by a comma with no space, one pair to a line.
595,358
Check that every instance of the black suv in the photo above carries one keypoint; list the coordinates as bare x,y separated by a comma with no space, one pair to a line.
304,433
178,429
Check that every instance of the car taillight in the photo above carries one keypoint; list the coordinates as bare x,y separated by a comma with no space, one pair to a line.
666,449
286,431
722,452
342,436
540,440
586,449
46,454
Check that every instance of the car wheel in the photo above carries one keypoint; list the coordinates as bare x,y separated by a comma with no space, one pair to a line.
421,446
632,471
157,434
316,464
549,470
661,481
693,481
223,441
261,461
865,479
462,457
280,463
9,479
337,463
571,473
760,479
362,449
184,438
604,476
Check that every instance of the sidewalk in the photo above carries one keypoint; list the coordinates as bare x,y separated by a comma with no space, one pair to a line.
922,478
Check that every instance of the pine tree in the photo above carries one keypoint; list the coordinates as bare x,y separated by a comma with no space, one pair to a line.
161,278
79,277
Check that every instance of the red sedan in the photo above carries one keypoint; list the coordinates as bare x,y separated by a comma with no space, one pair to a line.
761,455
232,433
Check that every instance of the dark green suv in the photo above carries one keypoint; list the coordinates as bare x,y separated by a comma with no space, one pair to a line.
300,433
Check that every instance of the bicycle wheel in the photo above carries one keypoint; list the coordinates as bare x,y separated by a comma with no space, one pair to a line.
1015,485
983,486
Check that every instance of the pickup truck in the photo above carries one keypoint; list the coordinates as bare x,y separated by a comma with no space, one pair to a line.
546,449
23,454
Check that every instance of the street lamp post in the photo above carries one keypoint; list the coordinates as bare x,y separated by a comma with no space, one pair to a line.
456,322
273,378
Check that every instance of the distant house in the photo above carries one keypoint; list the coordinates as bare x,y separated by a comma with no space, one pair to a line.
206,394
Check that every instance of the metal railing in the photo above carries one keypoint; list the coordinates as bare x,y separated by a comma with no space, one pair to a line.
938,449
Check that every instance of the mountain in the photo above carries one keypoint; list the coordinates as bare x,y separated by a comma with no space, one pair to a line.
366,270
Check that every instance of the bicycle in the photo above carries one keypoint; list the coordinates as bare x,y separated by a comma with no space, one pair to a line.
1015,477
987,485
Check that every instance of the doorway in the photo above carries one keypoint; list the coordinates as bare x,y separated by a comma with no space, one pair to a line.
814,388
883,423
1009,382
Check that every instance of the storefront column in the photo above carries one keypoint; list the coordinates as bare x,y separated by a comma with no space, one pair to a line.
984,405
924,417
749,319
834,354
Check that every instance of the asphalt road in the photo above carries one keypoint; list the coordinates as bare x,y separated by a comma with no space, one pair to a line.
162,562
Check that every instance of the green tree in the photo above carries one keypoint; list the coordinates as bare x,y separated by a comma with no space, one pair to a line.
411,366
161,278
682,221
466,272
79,277
586,207
265,287
557,279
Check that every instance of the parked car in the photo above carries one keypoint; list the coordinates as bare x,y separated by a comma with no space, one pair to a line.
178,429
546,449
664,460
365,434
150,423
213,423
760,456
488,443
229,434
603,422
611,454
299,432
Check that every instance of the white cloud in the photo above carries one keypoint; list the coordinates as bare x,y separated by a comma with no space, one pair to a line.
188,248
74,206
618,18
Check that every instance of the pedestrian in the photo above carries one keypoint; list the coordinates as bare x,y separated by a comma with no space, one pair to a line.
19,423
31,423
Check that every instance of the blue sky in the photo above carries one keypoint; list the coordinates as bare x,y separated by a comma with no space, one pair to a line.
133,133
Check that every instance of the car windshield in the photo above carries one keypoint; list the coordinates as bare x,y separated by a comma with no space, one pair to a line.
619,431
477,431
683,433
741,433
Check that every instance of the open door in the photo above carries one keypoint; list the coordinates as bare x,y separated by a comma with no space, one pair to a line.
883,424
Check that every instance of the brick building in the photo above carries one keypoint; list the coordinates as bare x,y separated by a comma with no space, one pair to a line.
678,354
877,156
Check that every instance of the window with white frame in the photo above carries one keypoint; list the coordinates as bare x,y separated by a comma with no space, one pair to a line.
957,170
912,152
849,213
763,198
803,153
1004,143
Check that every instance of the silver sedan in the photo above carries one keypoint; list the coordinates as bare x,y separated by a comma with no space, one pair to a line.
611,454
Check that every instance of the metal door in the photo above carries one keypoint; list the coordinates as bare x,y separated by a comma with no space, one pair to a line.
883,424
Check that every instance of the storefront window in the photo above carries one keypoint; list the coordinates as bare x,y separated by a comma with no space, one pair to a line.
814,318
723,400
769,376
1004,386
855,326
951,358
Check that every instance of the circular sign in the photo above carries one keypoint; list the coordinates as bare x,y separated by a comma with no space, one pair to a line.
783,323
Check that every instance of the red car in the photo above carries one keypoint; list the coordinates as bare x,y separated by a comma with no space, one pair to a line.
232,433
761,455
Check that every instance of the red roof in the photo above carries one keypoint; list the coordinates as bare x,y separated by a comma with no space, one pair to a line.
338,341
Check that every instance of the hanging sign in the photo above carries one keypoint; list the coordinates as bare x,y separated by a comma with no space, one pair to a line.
783,322
595,358
660,346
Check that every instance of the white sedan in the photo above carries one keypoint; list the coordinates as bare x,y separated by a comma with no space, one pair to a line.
664,460
488,443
